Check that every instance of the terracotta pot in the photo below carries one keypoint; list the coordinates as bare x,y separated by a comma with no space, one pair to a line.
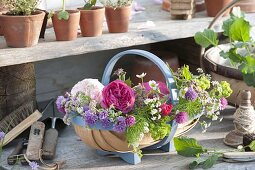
117,19
22,31
91,21
247,5
66,30
214,6
166,5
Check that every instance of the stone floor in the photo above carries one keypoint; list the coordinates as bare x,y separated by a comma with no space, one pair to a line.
79,156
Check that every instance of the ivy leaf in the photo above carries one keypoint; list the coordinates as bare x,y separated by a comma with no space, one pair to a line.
187,146
206,38
210,161
240,30
249,79
248,67
252,146
63,15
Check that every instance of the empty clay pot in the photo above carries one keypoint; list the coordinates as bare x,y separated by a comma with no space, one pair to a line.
22,31
247,5
66,30
91,21
117,19
214,6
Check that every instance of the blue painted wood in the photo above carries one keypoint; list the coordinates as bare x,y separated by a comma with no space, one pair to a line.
129,157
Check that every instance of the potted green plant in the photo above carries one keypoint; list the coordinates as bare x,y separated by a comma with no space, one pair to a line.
22,23
240,51
117,14
65,23
92,18
214,6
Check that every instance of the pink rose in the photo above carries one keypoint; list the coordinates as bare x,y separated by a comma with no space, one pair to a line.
162,87
120,95
166,109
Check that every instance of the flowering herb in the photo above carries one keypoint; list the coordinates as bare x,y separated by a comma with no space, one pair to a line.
241,52
143,109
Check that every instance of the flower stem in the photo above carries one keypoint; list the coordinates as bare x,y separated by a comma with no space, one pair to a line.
63,5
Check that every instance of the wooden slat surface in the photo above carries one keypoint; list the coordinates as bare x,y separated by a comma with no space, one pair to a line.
165,29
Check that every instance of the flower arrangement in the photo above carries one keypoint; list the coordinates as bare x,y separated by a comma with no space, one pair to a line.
144,108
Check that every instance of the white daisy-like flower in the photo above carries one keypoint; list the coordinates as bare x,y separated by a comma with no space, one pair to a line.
153,84
153,111
141,75
200,70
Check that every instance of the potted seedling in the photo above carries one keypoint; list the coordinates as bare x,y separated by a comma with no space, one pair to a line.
22,23
117,14
65,23
92,17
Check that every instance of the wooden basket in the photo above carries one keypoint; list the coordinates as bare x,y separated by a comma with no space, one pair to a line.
107,140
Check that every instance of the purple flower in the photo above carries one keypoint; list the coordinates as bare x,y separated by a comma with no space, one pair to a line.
182,117
103,115
34,165
223,103
85,108
120,126
90,118
59,102
106,123
191,94
130,121
2,135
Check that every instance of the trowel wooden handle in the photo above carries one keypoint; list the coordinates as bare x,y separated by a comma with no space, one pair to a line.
50,144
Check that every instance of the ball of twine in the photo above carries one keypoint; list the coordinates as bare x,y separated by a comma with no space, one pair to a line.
244,120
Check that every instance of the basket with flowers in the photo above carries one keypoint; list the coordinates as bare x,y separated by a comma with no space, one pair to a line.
123,118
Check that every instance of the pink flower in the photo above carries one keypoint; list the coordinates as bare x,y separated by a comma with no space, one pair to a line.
223,103
166,109
162,87
120,95
182,117
130,121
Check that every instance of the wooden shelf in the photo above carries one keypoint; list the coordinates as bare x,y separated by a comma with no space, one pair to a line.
165,29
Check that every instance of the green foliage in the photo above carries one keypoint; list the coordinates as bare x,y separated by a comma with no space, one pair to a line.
20,7
239,30
206,38
159,130
186,73
116,3
188,147
241,52
252,146
206,164
89,4
63,15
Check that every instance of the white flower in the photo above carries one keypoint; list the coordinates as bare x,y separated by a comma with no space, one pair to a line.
159,116
79,110
158,104
214,117
153,111
200,70
214,83
141,75
153,118
147,101
153,84
141,136
240,147
146,129
67,120
90,87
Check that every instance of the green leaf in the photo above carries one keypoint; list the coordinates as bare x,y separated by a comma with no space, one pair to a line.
249,66
237,13
187,146
206,38
210,161
89,5
193,165
186,73
128,82
63,15
240,30
249,79
232,55
226,26
252,146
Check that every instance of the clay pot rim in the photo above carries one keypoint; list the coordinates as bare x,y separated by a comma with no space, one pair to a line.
94,8
35,13
73,11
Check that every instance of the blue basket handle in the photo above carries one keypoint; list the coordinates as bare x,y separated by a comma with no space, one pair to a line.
161,65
